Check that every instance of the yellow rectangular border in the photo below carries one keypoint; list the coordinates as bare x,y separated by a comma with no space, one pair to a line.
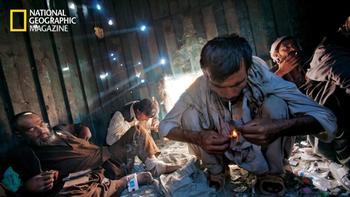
24,20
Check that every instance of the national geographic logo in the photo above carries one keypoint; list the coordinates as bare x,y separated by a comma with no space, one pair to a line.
41,20
18,12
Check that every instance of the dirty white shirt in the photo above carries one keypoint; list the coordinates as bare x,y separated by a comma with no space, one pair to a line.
118,126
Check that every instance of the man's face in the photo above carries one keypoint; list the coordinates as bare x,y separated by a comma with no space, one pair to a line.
231,88
140,116
34,129
286,47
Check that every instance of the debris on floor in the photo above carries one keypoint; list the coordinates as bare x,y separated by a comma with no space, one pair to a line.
308,175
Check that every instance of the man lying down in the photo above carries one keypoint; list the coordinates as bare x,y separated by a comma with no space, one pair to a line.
57,163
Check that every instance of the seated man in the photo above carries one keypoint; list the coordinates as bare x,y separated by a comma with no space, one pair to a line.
50,156
287,53
137,113
328,83
238,91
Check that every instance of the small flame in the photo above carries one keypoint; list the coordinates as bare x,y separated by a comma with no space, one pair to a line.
233,134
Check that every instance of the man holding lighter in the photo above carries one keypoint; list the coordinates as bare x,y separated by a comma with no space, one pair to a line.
238,91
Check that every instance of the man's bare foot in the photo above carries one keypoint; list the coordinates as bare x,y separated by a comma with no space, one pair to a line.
144,178
169,168
158,167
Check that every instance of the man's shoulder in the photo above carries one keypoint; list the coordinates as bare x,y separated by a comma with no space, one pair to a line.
196,90
116,114
197,85
259,72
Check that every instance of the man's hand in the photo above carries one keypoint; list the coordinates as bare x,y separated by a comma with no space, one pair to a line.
218,181
85,133
213,142
288,64
155,124
209,140
41,182
261,131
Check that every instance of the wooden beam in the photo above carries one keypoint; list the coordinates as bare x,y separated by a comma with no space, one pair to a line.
6,111
197,21
245,23
84,60
184,5
47,71
259,12
17,71
161,43
173,7
281,17
159,8
148,48
209,22
130,45
194,3
220,20
119,77
170,40
232,21
68,68
100,115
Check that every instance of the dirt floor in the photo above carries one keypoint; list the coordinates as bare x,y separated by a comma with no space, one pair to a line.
309,174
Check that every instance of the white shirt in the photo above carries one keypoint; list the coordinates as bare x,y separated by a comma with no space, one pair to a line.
118,126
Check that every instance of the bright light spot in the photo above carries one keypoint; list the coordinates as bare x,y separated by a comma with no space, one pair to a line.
121,64
175,86
65,69
104,75
138,75
85,10
110,22
117,88
142,81
112,54
162,61
98,6
114,59
71,6
139,63
143,28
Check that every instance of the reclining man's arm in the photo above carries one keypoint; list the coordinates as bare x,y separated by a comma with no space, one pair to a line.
77,130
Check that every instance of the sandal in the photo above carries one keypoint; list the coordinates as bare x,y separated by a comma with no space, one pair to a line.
271,185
